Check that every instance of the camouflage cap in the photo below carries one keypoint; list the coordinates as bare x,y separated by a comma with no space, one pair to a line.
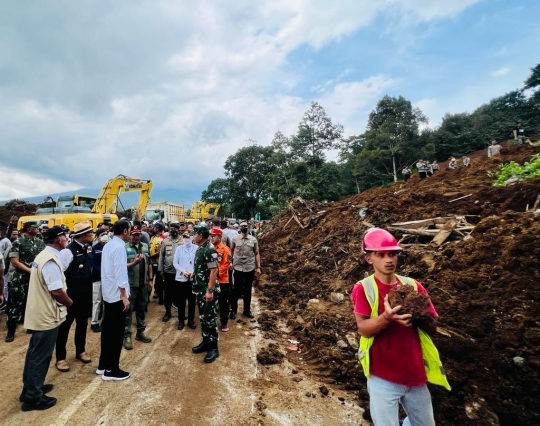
201,227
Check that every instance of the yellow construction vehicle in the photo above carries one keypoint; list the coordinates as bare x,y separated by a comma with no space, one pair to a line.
202,211
72,209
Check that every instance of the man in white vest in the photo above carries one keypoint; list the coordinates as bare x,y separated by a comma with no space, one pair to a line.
46,309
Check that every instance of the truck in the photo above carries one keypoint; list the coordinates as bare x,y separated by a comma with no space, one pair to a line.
201,211
72,209
165,212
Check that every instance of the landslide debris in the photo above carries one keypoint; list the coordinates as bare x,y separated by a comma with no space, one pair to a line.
484,287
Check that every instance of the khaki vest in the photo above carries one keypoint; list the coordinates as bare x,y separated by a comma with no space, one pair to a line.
43,312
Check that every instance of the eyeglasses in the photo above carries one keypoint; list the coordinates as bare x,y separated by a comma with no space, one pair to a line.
383,254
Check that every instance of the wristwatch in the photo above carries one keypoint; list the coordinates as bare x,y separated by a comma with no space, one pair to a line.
210,290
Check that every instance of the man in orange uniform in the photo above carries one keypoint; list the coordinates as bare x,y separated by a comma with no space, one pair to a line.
224,264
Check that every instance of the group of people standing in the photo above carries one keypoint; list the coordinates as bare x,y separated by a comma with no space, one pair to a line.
109,275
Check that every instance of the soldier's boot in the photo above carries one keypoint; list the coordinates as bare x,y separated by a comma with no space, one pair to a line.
212,354
141,335
10,337
204,346
128,343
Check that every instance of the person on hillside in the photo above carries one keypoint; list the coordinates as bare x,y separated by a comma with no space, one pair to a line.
115,288
139,275
224,266
392,348
466,161
166,268
77,260
421,166
406,172
493,149
206,288
246,263
519,133
184,258
48,303
21,256
452,164
435,166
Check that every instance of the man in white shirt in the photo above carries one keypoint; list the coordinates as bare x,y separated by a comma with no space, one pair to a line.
115,291
184,258
46,309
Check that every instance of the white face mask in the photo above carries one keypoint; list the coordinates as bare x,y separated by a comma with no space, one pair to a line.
187,241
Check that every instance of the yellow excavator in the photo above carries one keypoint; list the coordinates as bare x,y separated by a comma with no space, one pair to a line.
202,211
72,209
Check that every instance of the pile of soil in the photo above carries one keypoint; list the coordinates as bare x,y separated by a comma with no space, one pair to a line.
484,288
412,302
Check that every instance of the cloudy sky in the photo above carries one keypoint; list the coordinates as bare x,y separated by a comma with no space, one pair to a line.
167,89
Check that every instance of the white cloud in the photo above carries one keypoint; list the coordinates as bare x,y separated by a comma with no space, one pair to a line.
162,90
500,72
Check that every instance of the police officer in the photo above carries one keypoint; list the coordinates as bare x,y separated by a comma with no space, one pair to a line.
166,268
139,275
205,287
21,255
78,255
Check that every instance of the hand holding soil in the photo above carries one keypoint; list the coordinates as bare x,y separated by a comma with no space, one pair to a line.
412,302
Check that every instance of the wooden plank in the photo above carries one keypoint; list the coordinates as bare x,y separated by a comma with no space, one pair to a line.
422,223
460,198
444,233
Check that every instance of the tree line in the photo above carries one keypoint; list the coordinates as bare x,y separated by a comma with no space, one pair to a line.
264,178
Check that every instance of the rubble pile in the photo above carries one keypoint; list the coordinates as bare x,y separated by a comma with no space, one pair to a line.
482,276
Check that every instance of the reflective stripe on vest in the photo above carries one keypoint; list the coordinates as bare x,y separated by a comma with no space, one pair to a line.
432,363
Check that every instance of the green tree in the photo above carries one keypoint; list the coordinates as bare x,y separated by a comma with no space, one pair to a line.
247,172
393,125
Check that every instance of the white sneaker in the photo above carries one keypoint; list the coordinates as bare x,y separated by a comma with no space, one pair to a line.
99,372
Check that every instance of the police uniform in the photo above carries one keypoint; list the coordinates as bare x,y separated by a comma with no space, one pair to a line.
165,265
25,249
138,288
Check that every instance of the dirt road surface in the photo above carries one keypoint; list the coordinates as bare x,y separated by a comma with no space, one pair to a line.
172,386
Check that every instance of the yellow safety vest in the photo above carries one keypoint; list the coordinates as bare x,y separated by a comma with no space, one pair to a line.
432,362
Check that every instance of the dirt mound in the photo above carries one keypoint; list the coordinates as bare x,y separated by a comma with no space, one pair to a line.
484,288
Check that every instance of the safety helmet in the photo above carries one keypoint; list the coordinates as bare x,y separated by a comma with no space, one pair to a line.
377,239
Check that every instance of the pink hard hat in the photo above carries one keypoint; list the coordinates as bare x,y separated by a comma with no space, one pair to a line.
377,239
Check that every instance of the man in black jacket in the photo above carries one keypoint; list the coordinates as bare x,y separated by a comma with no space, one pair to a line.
77,260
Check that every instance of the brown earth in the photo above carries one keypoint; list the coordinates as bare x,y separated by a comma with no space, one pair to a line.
484,288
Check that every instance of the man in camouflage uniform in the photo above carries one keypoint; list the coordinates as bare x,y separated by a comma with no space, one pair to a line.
205,287
22,254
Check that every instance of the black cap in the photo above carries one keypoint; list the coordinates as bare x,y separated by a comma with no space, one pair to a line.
51,233
29,224
159,225
174,225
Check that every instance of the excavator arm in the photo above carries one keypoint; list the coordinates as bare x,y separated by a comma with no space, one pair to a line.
107,200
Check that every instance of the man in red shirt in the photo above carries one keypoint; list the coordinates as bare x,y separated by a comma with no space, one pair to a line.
396,368
224,264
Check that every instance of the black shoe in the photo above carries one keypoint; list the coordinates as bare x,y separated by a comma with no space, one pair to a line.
45,389
44,403
232,315
96,328
249,314
166,317
10,337
191,324
211,356
115,375
181,325
200,348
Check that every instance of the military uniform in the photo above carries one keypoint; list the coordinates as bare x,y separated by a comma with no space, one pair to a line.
206,260
138,287
26,250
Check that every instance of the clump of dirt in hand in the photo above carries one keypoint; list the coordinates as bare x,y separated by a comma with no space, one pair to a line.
270,355
411,301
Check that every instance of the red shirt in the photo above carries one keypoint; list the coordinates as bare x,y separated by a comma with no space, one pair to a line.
396,354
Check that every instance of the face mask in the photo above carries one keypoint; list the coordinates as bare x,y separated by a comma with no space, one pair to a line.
243,229
174,233
187,241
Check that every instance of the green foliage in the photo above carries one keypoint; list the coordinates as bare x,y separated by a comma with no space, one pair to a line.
528,170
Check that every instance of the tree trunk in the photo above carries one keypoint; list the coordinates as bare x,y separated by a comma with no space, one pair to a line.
394,166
